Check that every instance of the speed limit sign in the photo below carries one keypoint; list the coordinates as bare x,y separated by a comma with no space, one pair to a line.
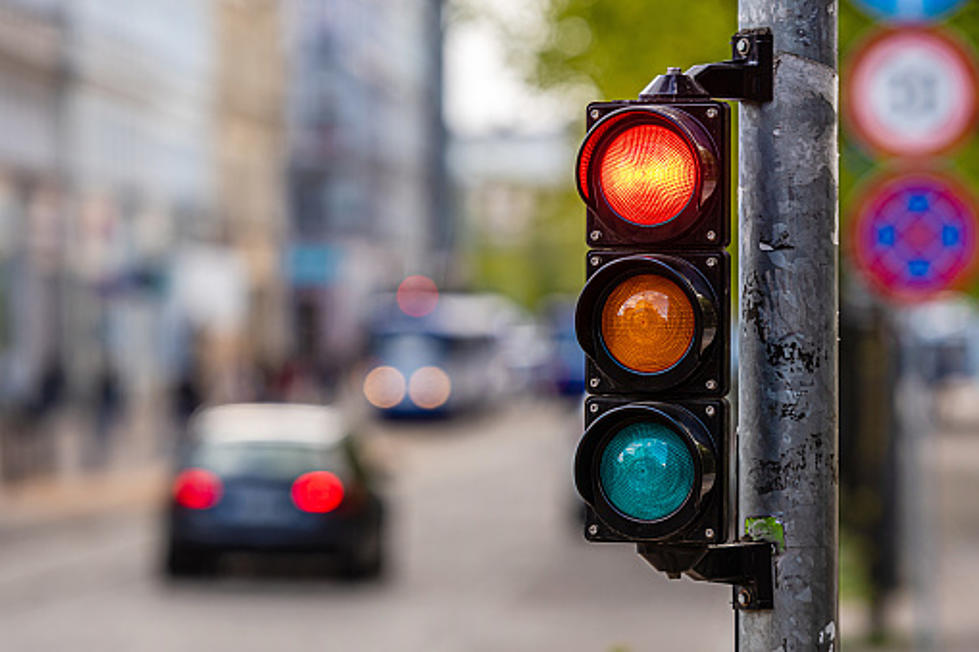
911,92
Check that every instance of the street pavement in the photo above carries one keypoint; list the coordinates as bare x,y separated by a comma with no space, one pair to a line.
485,557
485,554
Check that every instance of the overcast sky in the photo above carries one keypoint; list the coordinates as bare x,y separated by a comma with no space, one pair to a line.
484,95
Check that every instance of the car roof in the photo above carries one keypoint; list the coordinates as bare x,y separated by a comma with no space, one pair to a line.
286,423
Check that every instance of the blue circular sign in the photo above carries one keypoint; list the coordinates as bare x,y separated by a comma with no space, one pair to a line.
909,11
915,235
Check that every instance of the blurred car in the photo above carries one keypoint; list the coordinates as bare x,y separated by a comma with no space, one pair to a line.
273,477
452,360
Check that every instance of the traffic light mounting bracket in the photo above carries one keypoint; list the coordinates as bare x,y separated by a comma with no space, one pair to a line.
748,76
745,564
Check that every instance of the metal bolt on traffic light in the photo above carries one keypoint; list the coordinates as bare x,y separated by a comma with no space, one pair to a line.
657,461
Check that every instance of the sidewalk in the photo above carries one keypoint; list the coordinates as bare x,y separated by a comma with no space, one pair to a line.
130,477
49,501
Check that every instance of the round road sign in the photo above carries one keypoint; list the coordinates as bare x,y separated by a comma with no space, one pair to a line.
909,10
914,235
911,92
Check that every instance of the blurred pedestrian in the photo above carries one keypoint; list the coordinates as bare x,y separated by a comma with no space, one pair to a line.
188,395
107,409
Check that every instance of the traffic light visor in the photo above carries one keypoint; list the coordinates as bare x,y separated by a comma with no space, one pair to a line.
646,471
648,323
648,174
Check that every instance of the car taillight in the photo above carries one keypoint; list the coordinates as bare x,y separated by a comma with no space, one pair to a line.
317,492
197,489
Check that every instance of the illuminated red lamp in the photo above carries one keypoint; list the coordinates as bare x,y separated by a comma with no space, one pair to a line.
648,173
317,492
197,489
417,295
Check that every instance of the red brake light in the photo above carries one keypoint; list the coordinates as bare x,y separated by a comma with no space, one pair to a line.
317,492
197,489
648,174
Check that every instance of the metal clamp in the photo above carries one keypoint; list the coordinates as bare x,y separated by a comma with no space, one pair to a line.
748,76
745,564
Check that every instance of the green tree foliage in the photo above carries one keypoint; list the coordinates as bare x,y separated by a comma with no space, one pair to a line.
584,50
619,46
611,49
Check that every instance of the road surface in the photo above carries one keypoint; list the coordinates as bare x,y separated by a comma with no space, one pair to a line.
484,558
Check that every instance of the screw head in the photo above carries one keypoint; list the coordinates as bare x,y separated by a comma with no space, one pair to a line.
711,235
594,113
744,598
711,384
711,113
595,235
711,262
709,410
709,533
594,260
593,408
743,46
592,529
593,382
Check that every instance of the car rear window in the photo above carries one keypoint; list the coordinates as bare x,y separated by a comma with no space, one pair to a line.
273,461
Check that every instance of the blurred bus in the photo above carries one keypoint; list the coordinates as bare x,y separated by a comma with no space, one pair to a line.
468,353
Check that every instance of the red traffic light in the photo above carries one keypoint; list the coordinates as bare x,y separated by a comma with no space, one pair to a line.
651,173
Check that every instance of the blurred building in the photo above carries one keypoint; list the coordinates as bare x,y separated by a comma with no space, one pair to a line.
142,197
500,175
250,133
517,225
32,164
367,181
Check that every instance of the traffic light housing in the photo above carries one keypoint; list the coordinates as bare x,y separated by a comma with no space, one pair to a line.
656,173
654,471
654,318
657,463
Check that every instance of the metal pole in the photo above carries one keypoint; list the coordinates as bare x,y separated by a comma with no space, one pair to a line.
788,428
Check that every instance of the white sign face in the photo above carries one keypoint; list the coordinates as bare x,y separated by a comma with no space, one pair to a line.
912,93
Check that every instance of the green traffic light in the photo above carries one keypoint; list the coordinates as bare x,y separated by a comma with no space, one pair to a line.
646,471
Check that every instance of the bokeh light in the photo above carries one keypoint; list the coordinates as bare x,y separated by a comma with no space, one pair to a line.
417,295
384,387
317,492
429,388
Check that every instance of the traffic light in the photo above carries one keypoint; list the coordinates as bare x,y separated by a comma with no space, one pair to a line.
654,318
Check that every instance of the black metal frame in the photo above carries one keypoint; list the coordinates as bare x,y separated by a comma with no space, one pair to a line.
704,123
703,363
695,287
682,422
749,74
698,140
711,524
748,565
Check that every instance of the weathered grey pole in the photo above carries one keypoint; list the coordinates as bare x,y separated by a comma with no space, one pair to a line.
788,426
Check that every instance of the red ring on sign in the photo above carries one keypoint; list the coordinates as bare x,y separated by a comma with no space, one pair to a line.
860,113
